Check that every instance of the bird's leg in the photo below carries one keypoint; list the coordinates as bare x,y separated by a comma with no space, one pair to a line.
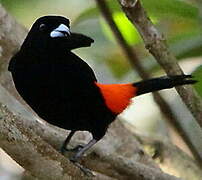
79,154
66,142
81,151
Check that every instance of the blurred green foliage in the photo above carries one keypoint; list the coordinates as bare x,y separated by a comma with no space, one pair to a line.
126,28
178,20
198,76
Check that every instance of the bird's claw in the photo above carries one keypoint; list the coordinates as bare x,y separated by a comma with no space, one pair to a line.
75,149
85,170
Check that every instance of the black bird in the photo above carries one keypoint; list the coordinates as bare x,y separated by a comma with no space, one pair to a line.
62,89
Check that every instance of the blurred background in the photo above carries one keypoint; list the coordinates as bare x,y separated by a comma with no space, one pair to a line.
179,20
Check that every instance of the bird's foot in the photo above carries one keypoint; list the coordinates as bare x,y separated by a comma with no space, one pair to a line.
80,150
85,170
74,159
75,149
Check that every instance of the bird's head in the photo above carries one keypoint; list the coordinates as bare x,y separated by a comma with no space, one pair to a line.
52,32
51,27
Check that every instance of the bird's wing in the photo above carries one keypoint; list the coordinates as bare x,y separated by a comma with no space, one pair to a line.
75,77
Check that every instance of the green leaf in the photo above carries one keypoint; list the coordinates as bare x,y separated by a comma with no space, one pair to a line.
198,76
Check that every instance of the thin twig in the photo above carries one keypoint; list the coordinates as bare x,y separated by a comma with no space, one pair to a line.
134,60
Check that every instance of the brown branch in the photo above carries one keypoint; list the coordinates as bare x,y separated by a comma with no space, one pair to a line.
134,60
11,36
156,45
169,156
26,175
32,153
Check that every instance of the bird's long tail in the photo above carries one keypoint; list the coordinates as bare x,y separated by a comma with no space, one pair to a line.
164,82
118,96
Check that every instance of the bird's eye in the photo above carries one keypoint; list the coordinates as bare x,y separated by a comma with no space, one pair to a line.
42,27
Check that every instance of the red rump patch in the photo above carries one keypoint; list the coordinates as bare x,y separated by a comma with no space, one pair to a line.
117,96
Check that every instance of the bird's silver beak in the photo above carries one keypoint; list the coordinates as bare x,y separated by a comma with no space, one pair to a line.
61,31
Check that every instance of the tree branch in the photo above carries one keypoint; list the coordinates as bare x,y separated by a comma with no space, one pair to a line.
28,150
11,36
156,44
169,156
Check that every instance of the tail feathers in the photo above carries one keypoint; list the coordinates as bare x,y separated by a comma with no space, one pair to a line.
160,83
118,96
